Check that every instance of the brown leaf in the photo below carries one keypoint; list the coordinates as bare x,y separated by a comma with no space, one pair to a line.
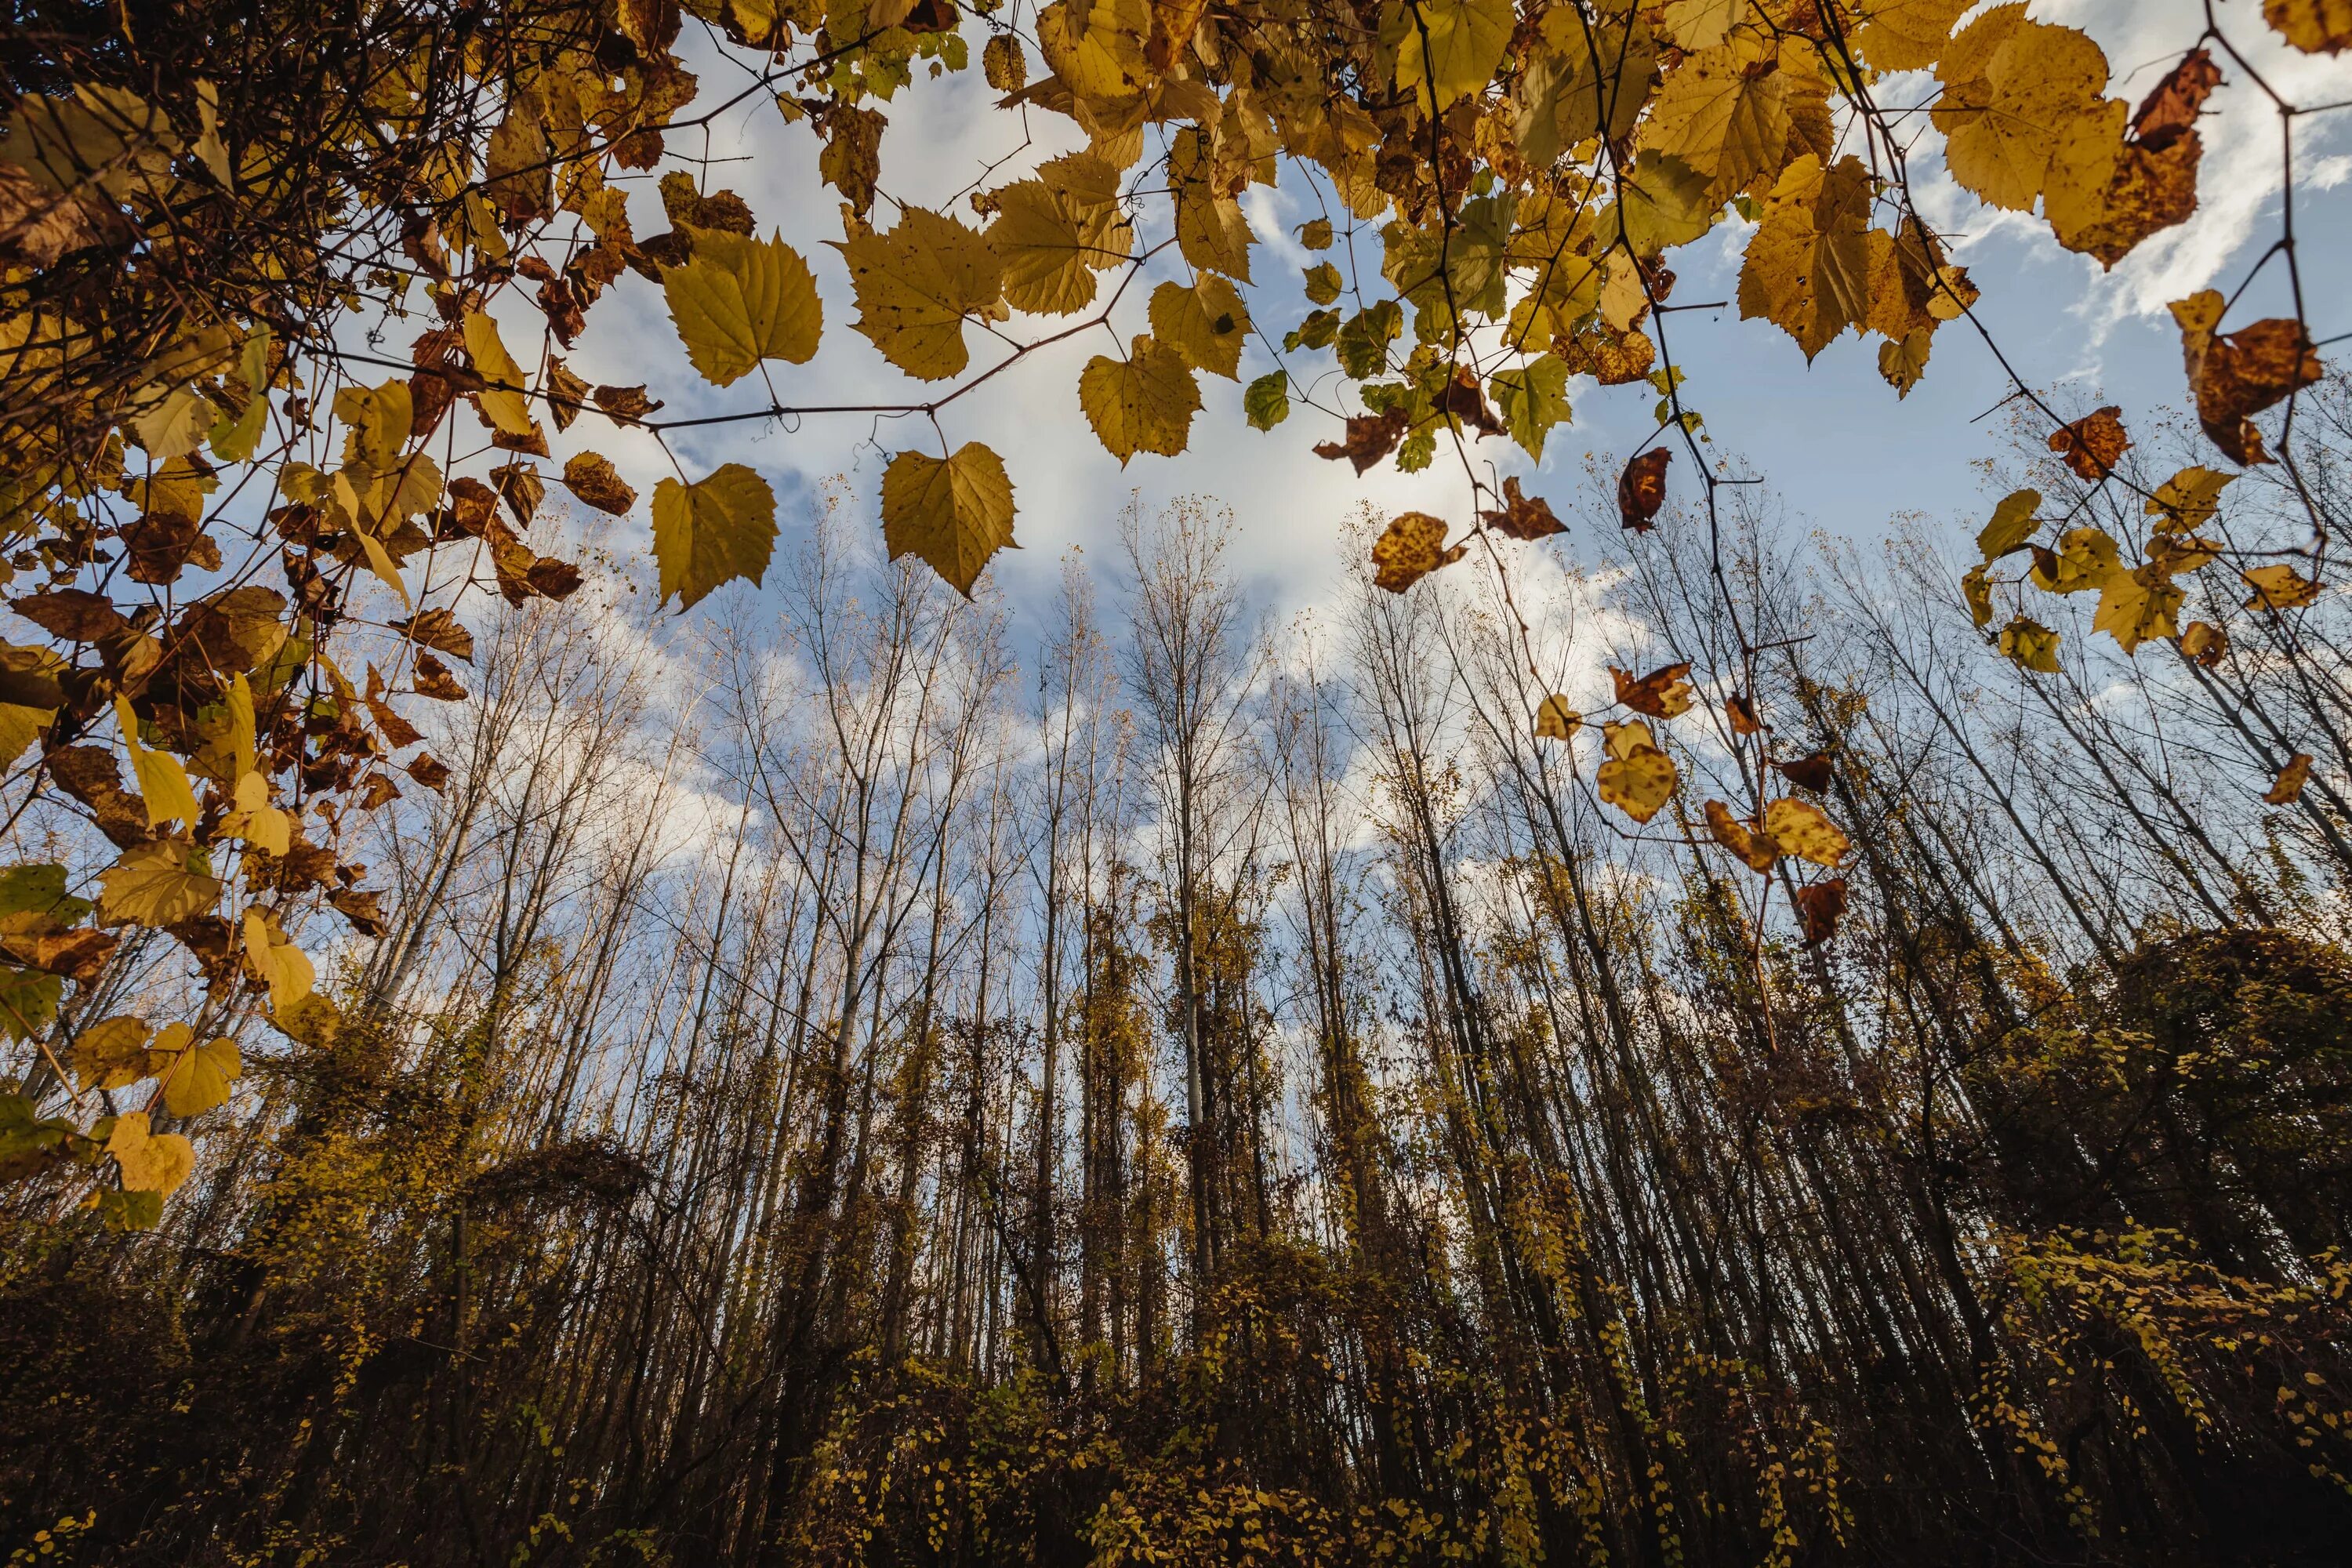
376,790
1742,714
473,505
433,680
40,225
1370,437
426,771
1614,359
1462,399
567,394
1755,848
162,545
91,776
626,405
552,579
1642,489
72,615
1413,547
591,477
398,733
360,909
1522,516
2286,787
1813,773
2092,443
1819,909
79,955
2169,111
1664,693
438,629
2241,373
520,486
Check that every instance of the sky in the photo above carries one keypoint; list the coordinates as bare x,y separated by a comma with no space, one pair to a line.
1836,449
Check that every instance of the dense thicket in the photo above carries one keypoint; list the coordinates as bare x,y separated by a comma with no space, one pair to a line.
1207,1092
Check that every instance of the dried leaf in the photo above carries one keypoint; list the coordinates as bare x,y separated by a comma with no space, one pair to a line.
2286,784
2092,443
1642,489
1522,516
1411,548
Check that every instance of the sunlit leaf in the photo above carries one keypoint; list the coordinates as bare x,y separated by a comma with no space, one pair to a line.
741,301
712,532
953,513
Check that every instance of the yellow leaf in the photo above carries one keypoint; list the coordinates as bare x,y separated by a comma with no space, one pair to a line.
1637,778
1096,47
257,821
2205,642
712,532
2314,26
741,301
277,963
503,400
1803,829
1052,244
2279,587
1555,720
1701,24
2012,524
2087,558
176,425
2136,606
1906,35
1205,324
2012,91
2189,499
1446,49
2030,646
153,885
111,1054
162,783
197,1078
1142,403
916,284
953,512
1807,269
150,1163
1725,112
1757,849
1975,587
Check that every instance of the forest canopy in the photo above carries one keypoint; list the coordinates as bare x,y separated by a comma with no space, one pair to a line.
1622,1040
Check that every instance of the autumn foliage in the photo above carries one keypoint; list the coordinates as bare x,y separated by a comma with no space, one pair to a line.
1753,1103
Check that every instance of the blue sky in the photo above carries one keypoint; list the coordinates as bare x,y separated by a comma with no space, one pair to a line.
1836,447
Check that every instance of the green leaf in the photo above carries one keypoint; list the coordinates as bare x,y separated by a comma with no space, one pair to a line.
741,301
1268,401
1532,399
953,512
712,532
38,890
28,1000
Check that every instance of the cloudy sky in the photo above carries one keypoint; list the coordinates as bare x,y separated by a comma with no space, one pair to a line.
1838,449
